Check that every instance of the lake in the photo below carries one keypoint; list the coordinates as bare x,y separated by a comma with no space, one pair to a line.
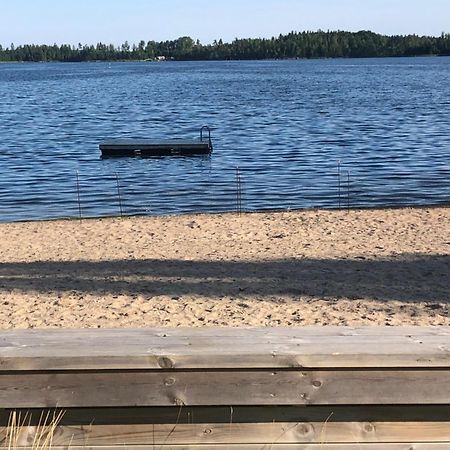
287,125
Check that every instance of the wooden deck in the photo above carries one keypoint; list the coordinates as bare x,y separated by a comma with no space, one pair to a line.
296,388
149,148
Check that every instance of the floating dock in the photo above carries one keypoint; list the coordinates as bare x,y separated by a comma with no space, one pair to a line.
149,147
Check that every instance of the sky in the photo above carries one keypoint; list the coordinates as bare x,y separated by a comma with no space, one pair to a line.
115,21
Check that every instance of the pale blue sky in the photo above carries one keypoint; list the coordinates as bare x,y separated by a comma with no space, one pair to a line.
114,21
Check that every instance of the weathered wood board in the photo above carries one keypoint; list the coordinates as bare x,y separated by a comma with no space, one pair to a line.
272,348
221,388
306,388
226,433
346,446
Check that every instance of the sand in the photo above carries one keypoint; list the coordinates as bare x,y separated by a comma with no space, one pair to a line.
363,267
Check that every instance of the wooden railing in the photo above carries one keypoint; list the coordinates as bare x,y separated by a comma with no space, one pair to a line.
294,388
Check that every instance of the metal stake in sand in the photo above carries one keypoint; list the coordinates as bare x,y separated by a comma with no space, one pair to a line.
78,195
238,191
339,182
118,195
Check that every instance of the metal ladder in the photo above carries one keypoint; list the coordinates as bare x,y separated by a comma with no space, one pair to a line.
206,128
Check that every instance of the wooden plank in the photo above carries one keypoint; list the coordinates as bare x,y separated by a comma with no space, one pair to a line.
169,388
314,348
225,332
144,142
148,147
263,433
386,446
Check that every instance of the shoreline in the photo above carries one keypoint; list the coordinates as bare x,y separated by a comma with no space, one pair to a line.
385,266
260,211
312,58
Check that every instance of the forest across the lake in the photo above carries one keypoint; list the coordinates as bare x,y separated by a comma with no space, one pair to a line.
307,44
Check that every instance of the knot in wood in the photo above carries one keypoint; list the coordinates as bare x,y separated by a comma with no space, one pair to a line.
169,381
317,384
304,396
304,429
165,363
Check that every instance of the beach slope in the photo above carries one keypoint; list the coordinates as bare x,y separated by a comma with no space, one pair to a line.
362,267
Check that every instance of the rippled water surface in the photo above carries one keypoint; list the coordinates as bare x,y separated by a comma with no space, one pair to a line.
286,124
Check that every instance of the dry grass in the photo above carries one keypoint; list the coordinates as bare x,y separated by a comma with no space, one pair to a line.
20,433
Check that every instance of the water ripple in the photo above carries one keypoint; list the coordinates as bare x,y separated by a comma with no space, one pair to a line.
286,124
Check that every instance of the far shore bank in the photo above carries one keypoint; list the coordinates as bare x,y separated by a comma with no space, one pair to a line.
328,58
314,267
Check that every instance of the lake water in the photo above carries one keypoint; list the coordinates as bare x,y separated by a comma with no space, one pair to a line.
286,124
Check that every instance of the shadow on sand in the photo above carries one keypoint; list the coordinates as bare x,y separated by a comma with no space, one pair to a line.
406,277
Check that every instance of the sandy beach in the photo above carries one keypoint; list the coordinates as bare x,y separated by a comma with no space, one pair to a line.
363,267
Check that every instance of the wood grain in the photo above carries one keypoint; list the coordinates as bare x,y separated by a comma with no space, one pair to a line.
307,388
309,347
226,433
336,446
169,388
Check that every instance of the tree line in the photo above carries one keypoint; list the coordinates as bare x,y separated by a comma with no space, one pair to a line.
318,44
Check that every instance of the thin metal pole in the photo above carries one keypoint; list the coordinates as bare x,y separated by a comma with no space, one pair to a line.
78,195
348,191
339,182
238,191
118,195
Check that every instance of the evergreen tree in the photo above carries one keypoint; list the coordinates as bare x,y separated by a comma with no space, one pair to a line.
307,44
